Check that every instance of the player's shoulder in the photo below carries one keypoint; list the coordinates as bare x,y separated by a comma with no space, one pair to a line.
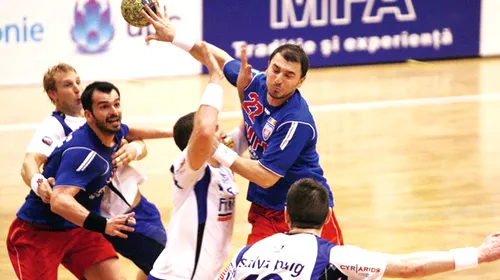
181,169
297,109
50,124
78,138
81,158
259,79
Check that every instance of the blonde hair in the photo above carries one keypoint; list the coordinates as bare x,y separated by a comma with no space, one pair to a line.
49,81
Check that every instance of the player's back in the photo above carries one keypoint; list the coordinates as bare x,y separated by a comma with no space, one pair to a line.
282,256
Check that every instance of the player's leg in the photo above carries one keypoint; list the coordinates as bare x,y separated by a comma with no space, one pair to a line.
140,249
105,270
141,276
145,244
34,254
150,277
265,222
92,256
331,230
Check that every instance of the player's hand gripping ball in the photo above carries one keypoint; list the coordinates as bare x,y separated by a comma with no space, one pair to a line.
131,11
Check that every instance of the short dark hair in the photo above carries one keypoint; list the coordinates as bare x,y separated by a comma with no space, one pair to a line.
182,130
293,53
87,94
307,202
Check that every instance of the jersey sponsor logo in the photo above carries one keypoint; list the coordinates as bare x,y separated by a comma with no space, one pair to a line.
47,141
226,206
360,269
254,142
98,193
253,107
268,128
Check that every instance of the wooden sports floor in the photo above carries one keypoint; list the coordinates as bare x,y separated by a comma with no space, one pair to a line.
411,150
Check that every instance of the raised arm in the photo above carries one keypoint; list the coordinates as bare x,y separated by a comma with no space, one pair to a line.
201,142
166,32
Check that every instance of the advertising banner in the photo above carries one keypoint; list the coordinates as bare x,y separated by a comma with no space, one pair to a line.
490,22
93,37
345,32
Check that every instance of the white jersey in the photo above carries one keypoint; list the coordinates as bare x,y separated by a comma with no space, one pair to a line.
51,132
202,220
303,256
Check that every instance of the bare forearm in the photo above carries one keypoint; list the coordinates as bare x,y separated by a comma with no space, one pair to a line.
136,133
30,167
254,172
220,55
200,147
67,207
419,264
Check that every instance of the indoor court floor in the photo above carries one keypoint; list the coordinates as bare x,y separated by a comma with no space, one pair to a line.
411,151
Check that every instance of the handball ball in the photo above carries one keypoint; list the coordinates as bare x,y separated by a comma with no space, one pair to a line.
131,11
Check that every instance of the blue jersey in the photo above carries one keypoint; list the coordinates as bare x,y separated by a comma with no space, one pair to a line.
283,139
82,161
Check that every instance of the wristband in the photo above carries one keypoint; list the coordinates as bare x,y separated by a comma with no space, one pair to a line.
225,155
138,148
183,42
213,96
95,223
36,181
465,258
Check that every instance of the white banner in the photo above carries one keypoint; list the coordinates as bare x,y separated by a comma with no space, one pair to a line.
92,36
490,24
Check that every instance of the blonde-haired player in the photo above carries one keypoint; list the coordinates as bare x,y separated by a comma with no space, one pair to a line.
62,84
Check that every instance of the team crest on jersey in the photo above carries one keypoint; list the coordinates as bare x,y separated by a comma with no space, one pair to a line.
47,140
268,128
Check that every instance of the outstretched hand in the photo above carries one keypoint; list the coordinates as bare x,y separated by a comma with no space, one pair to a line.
165,31
245,75
490,249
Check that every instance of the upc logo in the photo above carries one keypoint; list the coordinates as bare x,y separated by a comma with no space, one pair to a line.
92,30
